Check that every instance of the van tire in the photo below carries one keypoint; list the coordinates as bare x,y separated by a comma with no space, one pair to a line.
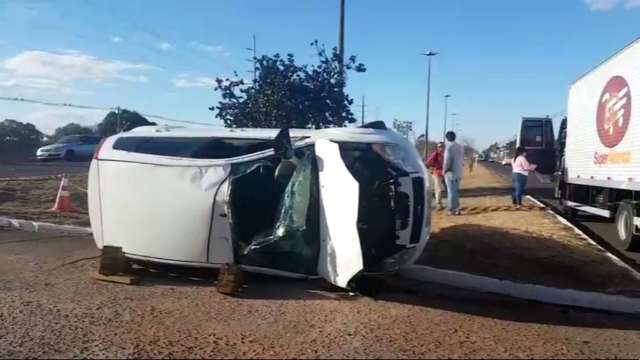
625,227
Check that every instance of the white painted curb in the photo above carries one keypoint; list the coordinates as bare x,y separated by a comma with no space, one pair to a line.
613,258
27,178
34,226
545,294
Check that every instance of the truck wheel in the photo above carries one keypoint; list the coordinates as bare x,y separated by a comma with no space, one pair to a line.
625,227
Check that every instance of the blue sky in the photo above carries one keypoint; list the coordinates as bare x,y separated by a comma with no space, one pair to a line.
500,59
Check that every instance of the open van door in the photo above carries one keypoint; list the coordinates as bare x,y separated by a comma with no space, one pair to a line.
536,136
340,252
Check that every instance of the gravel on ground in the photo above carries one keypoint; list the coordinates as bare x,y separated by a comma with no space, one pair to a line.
526,245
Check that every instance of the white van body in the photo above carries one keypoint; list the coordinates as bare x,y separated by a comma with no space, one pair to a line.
201,210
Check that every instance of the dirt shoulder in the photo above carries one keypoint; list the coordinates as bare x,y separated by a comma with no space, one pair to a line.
525,245
33,200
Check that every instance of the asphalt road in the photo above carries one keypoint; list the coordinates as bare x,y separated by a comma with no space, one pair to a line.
35,168
52,308
597,228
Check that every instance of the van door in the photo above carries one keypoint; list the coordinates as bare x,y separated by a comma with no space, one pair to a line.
340,252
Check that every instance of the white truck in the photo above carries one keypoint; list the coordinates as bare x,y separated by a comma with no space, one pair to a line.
600,145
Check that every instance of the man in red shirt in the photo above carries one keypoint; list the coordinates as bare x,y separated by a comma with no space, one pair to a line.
435,163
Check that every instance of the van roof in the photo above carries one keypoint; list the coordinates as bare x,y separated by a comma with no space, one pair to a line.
337,134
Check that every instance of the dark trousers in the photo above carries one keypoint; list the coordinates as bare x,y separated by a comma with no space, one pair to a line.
519,184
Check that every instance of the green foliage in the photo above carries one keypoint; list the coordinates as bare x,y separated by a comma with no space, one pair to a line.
70,129
287,94
125,120
18,137
404,128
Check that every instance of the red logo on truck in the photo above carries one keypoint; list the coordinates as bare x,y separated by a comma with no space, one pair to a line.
614,112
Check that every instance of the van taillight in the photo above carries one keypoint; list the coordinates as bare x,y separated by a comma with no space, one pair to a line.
95,154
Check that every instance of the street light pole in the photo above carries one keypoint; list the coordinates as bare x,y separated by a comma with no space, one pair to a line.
341,39
454,121
446,109
429,55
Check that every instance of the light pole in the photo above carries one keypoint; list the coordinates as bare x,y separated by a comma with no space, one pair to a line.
429,55
341,39
454,121
446,109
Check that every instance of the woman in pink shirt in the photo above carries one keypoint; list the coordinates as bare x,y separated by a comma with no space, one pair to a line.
521,168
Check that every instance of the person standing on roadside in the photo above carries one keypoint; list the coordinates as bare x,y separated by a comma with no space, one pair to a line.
472,162
452,168
521,168
435,163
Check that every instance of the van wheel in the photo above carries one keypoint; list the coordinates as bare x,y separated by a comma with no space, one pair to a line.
625,227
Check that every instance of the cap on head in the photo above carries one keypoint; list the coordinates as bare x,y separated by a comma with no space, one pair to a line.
450,136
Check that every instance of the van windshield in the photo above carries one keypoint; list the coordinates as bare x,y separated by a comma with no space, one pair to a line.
192,147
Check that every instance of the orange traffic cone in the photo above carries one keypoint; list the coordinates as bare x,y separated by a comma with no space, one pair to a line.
63,201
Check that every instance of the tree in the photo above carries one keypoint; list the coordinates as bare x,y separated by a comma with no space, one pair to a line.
286,94
18,137
70,129
122,120
404,128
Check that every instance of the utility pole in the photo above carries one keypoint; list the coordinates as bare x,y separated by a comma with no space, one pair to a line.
118,127
362,110
429,55
254,59
341,39
446,104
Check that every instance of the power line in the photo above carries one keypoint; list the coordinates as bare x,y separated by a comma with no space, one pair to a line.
113,108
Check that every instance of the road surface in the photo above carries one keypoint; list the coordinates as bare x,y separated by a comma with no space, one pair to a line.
51,307
597,228
35,168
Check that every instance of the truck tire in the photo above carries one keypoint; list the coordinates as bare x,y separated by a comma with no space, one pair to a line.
625,227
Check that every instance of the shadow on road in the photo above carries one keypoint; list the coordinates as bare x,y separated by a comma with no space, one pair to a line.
486,191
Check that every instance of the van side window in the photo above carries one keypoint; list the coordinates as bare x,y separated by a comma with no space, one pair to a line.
192,147
532,131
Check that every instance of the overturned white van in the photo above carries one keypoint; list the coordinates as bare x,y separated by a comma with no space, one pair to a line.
336,203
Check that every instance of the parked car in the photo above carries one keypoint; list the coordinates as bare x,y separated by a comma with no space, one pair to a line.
70,148
338,203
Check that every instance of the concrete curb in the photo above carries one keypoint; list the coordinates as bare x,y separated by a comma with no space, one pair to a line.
545,294
34,226
613,258
34,178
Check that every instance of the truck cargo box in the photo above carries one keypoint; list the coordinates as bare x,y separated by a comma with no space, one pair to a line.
603,132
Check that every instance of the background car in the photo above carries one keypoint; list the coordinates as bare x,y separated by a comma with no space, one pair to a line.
70,148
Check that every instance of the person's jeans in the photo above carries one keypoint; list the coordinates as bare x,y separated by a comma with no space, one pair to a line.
519,184
437,189
453,200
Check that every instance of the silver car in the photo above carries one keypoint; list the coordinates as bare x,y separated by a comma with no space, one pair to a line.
70,148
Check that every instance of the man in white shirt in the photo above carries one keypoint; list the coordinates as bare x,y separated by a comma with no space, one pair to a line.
452,168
